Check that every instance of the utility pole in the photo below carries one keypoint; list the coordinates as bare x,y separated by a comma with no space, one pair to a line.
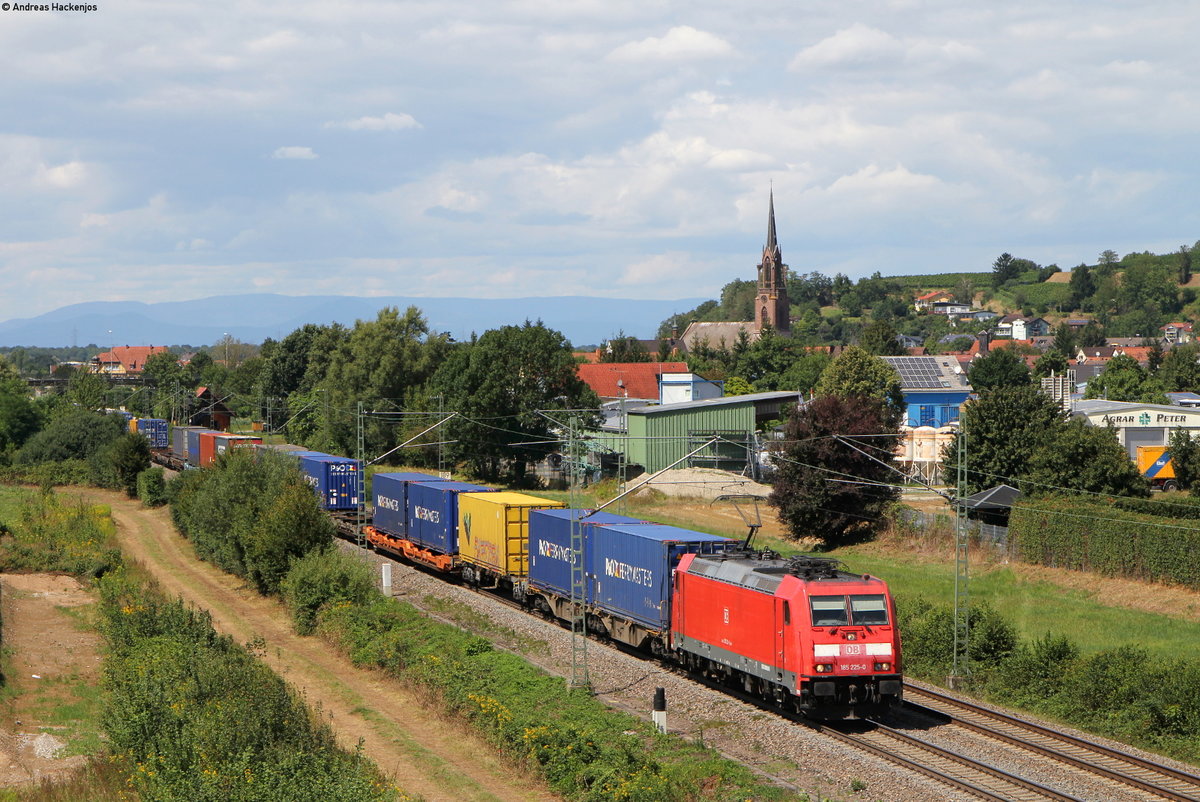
361,511
579,661
960,669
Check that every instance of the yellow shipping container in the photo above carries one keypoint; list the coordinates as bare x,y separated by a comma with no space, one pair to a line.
133,425
493,530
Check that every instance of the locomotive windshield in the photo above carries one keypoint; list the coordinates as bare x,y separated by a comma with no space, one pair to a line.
864,610
869,610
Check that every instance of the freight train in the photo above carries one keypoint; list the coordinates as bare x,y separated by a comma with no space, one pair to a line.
798,632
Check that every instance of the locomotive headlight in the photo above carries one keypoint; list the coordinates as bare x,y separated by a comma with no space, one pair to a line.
824,668
883,666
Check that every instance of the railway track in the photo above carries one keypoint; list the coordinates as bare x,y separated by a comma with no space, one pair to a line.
1162,781
952,768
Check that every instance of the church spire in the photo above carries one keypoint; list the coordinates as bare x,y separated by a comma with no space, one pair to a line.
771,244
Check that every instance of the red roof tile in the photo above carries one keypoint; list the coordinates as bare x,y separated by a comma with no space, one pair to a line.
132,357
639,379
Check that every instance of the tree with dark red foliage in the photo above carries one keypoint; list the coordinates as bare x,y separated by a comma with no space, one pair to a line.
827,485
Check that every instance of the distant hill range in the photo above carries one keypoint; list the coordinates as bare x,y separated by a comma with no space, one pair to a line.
253,318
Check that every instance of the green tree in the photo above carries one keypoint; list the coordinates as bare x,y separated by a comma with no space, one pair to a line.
964,291
76,434
880,339
1082,288
19,419
1000,368
1107,264
498,384
833,468
1185,264
1082,457
624,348
1066,341
1004,269
118,463
87,391
1185,457
381,363
856,373
1124,380
1092,336
736,385
1003,428
1180,369
1051,362
804,373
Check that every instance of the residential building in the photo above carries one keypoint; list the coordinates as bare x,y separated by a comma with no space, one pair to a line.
125,360
949,308
679,388
925,302
934,388
614,381
1177,333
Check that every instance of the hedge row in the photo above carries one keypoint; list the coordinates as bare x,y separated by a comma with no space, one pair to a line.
1082,534
196,717
583,750
250,515
1122,693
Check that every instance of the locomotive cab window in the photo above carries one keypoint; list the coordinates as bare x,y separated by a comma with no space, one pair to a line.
869,610
829,611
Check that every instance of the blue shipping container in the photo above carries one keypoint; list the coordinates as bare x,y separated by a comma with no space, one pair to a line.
550,556
433,513
155,430
629,567
193,444
389,497
336,480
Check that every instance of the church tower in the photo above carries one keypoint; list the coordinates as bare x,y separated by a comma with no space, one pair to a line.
771,305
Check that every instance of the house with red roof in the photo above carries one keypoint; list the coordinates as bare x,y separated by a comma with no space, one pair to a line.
924,302
125,360
1176,333
616,380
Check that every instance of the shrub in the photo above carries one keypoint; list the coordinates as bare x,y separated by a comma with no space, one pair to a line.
250,515
322,577
196,717
152,487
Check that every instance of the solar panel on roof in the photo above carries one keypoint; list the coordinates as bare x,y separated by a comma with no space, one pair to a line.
919,372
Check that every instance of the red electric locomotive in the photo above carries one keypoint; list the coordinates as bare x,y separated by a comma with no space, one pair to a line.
798,631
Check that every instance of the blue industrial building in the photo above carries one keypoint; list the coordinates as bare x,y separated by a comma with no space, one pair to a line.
934,388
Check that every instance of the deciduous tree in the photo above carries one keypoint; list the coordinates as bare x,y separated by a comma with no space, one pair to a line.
856,373
833,468
1000,368
1086,458
1003,429
498,384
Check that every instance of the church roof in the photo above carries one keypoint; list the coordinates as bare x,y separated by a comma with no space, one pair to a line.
719,335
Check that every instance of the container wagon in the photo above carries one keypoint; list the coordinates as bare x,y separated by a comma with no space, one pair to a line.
493,536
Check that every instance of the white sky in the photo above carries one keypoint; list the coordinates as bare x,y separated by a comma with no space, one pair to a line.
173,150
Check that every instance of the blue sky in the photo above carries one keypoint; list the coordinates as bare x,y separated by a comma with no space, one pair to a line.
166,151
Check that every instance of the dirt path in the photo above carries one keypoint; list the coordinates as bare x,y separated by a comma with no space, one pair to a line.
54,663
425,753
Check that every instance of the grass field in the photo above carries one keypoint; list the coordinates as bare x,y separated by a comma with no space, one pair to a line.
11,499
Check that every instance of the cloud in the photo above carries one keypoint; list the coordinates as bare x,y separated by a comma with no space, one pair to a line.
858,45
682,43
388,122
293,152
